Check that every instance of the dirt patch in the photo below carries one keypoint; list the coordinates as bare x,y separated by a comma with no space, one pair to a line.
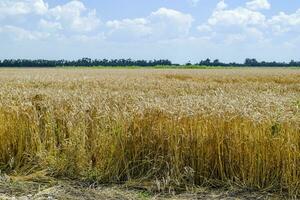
69,190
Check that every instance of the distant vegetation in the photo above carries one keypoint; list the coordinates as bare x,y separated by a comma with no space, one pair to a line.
248,62
88,62
84,62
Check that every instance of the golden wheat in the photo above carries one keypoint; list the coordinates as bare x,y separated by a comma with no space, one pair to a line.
174,128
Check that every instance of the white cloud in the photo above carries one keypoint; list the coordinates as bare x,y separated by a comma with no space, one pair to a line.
68,11
249,21
246,24
204,28
50,26
40,6
86,23
18,33
16,7
139,27
254,33
233,25
258,5
118,24
283,22
221,5
161,24
238,16
13,8
171,22
71,15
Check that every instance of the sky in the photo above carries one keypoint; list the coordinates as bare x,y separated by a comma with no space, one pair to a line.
179,30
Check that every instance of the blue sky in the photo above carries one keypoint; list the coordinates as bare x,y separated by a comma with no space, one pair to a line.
180,30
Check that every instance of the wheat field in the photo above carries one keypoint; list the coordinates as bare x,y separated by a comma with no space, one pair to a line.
171,128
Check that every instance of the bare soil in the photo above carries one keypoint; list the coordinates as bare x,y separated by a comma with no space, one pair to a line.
50,189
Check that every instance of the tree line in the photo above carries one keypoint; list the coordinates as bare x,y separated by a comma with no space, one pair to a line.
87,62
247,63
84,62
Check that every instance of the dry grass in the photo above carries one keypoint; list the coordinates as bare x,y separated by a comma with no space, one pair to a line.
169,128
69,190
